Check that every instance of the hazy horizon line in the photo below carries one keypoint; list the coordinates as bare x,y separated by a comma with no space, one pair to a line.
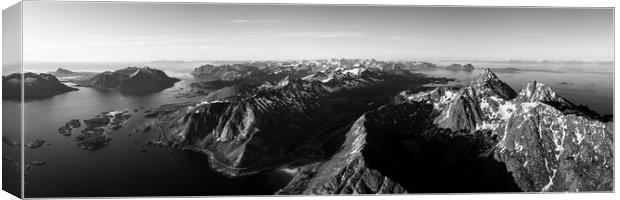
337,58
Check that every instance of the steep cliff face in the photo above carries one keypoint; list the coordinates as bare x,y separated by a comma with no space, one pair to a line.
549,151
277,125
131,80
397,148
35,86
346,172
264,129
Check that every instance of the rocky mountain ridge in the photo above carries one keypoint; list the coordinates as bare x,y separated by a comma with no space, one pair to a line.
281,123
131,80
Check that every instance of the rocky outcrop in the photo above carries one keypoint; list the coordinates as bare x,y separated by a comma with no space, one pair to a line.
35,86
132,80
67,129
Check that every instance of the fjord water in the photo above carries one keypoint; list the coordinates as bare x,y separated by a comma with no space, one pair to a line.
121,169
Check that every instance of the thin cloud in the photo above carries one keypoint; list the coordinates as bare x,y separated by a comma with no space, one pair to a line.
323,34
410,39
516,35
263,21
315,19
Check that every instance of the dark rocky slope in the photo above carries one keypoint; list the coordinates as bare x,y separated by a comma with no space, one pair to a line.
132,80
292,122
35,86
396,149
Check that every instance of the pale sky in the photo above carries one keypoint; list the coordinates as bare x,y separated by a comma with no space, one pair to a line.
103,32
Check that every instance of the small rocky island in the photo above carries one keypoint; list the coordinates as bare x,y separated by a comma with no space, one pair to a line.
35,86
131,80
69,126
96,134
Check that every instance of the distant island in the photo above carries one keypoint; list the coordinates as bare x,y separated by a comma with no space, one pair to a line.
459,67
35,86
68,75
131,80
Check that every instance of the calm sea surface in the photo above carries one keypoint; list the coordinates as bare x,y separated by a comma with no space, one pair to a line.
120,169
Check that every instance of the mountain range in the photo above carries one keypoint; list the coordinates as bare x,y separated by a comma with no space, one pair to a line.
354,130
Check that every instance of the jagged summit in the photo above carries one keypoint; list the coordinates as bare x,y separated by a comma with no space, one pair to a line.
485,76
536,91
487,83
